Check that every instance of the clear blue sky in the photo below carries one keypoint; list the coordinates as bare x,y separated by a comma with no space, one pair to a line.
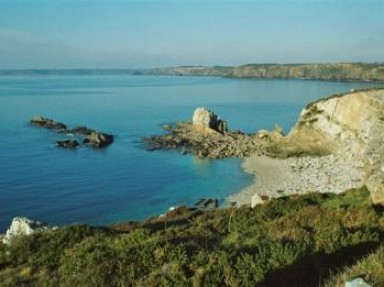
149,33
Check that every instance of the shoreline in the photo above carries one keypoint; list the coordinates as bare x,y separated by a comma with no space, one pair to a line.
276,177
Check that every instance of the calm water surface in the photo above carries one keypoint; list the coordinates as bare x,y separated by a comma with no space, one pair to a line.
123,181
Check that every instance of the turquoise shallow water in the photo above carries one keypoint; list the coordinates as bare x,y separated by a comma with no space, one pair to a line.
123,181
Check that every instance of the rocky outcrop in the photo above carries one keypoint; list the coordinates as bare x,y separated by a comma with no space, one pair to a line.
23,226
208,136
351,125
206,121
98,140
186,138
82,134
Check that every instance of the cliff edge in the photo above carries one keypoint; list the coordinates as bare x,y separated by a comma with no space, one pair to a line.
351,125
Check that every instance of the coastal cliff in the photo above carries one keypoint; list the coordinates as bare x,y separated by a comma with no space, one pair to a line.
335,145
328,71
352,125
368,72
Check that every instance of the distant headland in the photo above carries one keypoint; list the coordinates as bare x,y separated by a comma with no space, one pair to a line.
369,72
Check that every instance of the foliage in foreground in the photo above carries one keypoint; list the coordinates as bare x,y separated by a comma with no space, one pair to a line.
309,240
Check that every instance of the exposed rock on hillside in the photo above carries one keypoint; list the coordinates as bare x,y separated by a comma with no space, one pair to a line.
23,226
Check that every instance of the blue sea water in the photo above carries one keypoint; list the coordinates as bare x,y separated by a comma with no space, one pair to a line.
124,182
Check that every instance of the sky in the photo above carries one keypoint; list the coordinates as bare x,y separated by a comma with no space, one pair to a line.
160,33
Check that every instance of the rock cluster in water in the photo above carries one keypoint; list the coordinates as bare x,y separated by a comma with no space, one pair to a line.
84,135
208,136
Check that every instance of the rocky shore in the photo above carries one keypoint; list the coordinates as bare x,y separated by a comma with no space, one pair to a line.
276,177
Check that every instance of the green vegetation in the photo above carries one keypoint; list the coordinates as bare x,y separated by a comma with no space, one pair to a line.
309,240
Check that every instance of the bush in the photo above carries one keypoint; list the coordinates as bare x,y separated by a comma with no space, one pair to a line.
304,240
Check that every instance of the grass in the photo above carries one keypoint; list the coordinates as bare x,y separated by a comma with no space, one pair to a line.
309,240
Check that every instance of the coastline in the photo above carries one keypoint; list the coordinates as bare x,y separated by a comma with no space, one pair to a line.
276,177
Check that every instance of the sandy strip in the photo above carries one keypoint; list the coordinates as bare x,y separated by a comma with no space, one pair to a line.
278,177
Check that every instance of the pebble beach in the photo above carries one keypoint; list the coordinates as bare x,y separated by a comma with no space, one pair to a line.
276,177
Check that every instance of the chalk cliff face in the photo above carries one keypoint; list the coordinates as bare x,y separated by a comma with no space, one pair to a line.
351,124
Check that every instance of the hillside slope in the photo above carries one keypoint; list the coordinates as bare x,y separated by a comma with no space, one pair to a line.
303,240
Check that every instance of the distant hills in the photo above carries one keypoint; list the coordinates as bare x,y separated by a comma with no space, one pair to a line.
326,71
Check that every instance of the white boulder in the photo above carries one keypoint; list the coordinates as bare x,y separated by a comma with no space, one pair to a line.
358,282
256,200
23,226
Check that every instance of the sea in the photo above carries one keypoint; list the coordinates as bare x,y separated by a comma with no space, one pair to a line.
125,182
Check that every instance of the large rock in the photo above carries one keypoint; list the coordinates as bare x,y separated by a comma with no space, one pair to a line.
358,282
256,200
350,124
23,226
48,123
71,144
98,140
205,119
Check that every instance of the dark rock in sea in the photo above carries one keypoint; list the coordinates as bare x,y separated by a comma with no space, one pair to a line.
82,134
67,143
82,131
48,124
98,140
